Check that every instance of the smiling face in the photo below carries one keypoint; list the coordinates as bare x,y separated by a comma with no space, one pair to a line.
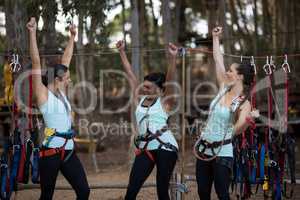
232,74
150,88
63,82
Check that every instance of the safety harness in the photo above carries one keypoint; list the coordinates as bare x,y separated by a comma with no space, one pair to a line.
50,134
264,154
246,152
150,136
203,144
4,172
290,143
15,160
35,175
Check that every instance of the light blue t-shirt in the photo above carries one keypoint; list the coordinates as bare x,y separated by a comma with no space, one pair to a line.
219,123
57,117
155,117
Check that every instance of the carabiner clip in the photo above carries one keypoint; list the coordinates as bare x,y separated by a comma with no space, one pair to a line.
272,65
252,63
182,51
15,146
285,66
15,64
267,67
13,60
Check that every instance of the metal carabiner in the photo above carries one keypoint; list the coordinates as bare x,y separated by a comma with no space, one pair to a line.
272,65
182,51
285,66
15,65
13,60
267,67
252,63
15,146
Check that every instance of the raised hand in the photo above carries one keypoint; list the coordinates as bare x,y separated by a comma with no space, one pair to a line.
120,45
72,29
31,25
172,49
217,31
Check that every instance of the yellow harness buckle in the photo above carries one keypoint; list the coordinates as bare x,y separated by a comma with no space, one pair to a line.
266,184
49,132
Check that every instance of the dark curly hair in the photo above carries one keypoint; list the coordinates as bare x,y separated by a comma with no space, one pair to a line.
157,78
57,70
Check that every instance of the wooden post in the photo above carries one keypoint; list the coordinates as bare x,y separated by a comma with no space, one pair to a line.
183,127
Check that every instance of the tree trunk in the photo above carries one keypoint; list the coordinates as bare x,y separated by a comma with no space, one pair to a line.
123,21
227,43
135,36
90,74
274,30
255,18
15,24
212,21
155,24
168,36
136,63
167,22
212,17
49,41
80,63
267,23
49,33
143,33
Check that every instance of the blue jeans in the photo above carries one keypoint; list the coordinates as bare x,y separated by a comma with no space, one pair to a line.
217,171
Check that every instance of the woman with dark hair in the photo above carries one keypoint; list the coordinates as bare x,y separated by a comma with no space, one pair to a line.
57,152
227,117
155,142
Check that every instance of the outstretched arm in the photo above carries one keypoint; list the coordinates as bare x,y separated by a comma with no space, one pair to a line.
67,56
39,90
133,81
169,98
218,57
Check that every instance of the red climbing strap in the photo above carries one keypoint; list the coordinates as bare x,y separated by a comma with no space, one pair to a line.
21,164
148,153
53,151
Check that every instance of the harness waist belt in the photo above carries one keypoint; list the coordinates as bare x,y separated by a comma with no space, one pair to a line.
65,136
215,144
60,150
153,136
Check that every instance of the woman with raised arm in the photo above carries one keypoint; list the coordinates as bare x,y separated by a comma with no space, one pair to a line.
57,152
228,116
155,142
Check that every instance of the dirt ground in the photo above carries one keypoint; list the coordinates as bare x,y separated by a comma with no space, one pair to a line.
113,169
